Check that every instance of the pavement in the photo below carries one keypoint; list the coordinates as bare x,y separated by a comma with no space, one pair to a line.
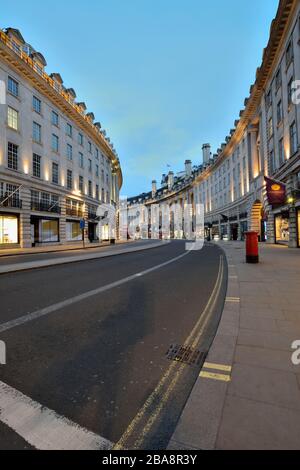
86,347
247,395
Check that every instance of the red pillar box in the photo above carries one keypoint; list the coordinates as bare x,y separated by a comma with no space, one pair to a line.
252,247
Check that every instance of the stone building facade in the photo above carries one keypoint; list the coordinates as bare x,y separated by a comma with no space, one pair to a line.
264,142
57,166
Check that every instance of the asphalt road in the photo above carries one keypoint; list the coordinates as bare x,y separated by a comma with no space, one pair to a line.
100,360
27,257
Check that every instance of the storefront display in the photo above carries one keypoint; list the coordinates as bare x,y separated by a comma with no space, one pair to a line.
73,231
282,230
298,226
8,229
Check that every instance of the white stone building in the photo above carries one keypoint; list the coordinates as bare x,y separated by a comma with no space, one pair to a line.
265,141
56,164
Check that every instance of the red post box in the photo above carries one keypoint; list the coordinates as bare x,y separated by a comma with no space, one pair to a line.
252,247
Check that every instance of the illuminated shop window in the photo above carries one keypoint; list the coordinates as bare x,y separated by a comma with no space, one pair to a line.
8,229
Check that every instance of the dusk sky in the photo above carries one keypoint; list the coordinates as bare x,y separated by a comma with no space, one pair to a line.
162,76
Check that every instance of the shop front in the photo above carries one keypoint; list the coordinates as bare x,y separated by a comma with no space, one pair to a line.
9,229
282,228
73,231
44,230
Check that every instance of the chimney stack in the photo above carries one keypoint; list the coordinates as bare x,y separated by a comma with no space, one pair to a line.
188,168
154,188
206,153
170,180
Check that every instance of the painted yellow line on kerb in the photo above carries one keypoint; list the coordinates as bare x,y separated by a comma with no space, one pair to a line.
232,299
210,365
211,375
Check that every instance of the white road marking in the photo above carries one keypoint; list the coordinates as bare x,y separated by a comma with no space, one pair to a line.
78,298
41,427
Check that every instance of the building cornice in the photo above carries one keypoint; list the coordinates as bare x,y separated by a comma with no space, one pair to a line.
25,66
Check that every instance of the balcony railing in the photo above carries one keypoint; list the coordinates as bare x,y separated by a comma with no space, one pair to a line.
45,207
56,86
13,202
74,212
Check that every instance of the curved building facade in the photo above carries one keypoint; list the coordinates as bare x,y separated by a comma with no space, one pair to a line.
56,163
263,143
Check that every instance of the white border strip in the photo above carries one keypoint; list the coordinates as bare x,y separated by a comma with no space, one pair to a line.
41,427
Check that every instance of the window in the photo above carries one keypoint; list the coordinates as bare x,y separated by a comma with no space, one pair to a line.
278,79
289,54
80,183
12,156
97,170
37,105
272,162
12,118
13,86
279,112
69,130
36,165
97,154
293,138
55,143
37,132
80,139
269,99
102,194
102,175
97,191
90,164
69,152
55,173
90,147
281,152
54,119
69,179
290,91
81,160
270,127
90,189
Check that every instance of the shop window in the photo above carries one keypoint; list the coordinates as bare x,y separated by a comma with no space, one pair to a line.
8,229
49,230
73,232
282,228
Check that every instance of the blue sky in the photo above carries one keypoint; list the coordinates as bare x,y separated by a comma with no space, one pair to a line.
162,76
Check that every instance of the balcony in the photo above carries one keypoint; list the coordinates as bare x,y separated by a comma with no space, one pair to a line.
74,212
12,202
45,207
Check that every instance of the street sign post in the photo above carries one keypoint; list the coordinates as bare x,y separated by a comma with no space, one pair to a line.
82,226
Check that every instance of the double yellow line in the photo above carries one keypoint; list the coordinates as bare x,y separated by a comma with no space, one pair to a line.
146,418
216,375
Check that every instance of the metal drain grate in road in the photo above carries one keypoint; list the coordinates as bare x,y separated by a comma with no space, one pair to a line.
186,355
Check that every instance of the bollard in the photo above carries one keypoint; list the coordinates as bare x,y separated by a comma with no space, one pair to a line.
252,247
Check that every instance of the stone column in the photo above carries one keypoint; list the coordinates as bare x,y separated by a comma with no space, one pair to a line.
270,226
25,228
62,220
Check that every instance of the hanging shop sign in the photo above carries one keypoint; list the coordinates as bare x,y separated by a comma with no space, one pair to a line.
276,192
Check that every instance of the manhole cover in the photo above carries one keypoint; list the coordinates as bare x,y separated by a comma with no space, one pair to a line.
186,354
